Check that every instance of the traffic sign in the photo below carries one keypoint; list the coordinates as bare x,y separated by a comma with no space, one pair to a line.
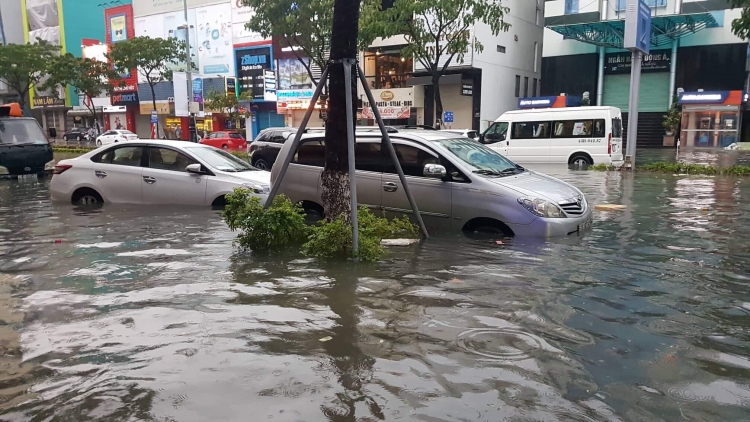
448,117
154,117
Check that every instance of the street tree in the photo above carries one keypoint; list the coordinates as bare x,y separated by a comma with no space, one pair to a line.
741,25
440,32
91,78
155,58
234,107
26,66
304,26
335,192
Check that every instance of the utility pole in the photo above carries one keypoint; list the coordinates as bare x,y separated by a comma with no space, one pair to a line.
189,74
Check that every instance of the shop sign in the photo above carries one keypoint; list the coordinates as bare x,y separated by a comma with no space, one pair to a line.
294,94
706,97
467,90
292,74
619,63
252,66
269,81
125,99
215,49
536,102
162,107
393,103
48,101
114,109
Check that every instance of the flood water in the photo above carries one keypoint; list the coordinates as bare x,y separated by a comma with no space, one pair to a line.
149,313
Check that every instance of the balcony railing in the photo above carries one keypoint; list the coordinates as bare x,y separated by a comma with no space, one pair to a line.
388,81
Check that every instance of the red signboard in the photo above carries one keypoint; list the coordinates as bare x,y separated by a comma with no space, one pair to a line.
118,23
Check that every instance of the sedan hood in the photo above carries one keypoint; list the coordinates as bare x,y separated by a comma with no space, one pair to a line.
537,185
261,177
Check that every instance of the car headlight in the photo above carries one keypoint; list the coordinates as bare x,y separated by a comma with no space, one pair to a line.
49,166
257,188
541,207
4,170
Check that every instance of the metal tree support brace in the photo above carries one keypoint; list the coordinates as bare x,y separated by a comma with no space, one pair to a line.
394,157
347,63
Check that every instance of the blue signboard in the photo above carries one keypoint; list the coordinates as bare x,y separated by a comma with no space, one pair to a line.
706,97
536,102
643,42
154,117
448,117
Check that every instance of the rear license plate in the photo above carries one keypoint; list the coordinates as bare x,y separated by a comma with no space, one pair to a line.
28,176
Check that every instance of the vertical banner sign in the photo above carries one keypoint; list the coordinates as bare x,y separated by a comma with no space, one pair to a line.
638,41
215,49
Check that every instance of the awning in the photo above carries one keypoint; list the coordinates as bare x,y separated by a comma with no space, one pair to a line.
83,112
664,29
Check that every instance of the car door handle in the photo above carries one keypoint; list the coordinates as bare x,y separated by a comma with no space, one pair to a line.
390,187
150,180
100,174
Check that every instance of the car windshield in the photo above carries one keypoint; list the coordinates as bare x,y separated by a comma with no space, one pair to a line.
220,160
14,131
479,158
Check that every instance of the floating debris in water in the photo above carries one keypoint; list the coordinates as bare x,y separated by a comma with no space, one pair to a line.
610,207
325,339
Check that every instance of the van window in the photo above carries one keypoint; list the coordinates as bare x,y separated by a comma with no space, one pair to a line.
412,160
311,153
496,133
573,128
367,157
531,130
600,128
616,128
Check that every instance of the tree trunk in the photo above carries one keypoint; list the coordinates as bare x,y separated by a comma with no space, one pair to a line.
153,102
336,194
438,100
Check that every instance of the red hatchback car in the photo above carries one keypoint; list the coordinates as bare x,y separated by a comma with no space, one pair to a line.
226,139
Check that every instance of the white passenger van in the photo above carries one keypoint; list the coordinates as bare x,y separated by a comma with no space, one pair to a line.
575,136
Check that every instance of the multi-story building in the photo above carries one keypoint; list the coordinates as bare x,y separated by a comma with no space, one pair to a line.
475,91
692,49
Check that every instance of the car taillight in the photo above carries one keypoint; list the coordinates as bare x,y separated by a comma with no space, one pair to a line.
609,145
61,168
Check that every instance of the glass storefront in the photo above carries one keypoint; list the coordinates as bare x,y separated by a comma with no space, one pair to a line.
710,126
387,69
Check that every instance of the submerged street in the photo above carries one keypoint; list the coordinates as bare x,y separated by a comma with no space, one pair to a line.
150,313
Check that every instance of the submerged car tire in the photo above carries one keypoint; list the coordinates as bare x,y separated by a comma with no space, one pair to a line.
261,164
487,227
86,196
580,160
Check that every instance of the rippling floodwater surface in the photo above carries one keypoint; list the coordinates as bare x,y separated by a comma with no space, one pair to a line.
149,313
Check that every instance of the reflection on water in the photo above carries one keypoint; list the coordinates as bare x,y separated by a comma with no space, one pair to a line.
141,313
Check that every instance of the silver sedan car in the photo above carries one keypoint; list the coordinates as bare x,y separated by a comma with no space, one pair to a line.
458,184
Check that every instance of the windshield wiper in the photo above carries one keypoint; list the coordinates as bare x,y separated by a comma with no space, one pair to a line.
486,172
509,171
520,168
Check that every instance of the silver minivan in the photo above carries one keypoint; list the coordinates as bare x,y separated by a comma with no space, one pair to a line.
458,184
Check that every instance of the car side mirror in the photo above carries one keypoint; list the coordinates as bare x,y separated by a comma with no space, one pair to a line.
434,170
194,169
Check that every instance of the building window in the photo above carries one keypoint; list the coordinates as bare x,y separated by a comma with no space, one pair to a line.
387,68
536,56
571,7
526,86
533,88
501,49
622,4
518,86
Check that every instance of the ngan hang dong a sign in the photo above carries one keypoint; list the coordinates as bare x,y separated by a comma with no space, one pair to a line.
656,61
392,103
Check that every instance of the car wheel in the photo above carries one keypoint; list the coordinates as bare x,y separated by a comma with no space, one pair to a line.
87,196
224,146
261,164
65,138
98,142
80,138
580,160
